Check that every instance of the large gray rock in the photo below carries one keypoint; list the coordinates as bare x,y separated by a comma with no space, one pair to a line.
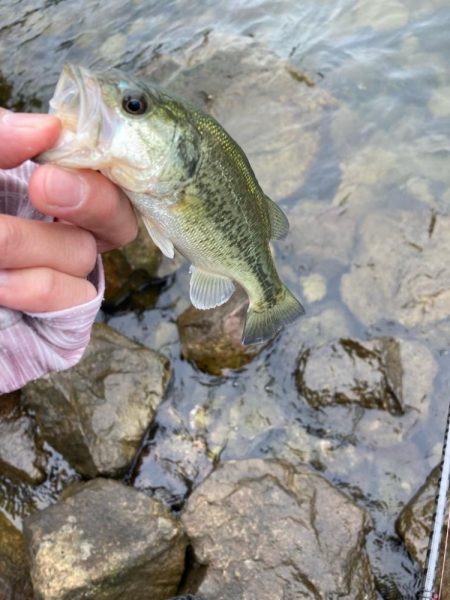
415,522
398,272
384,373
96,413
266,530
106,541
15,582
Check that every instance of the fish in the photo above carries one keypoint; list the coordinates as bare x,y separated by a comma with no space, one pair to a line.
190,182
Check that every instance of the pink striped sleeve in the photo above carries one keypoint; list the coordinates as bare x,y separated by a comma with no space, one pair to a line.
33,344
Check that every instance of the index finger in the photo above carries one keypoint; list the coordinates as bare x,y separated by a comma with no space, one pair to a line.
87,199
23,135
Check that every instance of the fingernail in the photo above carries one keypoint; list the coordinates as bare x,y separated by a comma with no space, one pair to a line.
4,277
24,120
63,188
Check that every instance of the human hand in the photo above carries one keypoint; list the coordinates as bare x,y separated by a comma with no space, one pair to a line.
43,266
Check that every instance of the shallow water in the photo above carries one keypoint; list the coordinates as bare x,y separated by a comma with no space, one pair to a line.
381,147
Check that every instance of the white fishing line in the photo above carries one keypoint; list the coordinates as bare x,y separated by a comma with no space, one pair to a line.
438,522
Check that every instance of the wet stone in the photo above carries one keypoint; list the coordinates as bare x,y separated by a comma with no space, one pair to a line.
10,405
171,464
347,371
106,541
131,274
96,413
20,458
266,530
415,523
117,272
142,252
15,582
211,339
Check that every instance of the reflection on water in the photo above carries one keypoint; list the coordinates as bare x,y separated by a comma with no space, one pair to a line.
366,186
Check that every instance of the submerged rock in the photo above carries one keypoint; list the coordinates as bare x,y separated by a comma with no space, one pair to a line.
15,582
243,84
96,413
211,339
398,272
415,523
321,233
266,530
105,541
387,373
348,370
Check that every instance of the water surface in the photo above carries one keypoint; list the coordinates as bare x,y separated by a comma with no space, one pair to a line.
380,147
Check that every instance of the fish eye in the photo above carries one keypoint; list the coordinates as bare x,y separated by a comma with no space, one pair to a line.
134,103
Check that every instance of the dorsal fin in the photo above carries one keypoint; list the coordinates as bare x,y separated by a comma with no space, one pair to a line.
278,220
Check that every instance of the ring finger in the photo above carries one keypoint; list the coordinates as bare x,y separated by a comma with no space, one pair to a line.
43,290
26,243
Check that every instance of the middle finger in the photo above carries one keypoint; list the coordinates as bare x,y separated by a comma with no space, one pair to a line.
26,243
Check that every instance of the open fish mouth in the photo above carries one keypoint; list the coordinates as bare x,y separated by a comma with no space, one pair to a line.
76,102
88,125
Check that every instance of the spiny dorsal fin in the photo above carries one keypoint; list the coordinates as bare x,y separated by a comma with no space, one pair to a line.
278,221
163,243
209,290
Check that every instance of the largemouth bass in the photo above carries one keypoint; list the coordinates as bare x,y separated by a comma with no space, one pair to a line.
189,180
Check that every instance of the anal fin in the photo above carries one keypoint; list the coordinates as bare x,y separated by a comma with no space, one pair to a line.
209,290
163,242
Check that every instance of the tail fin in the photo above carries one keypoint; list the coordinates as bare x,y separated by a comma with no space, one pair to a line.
263,322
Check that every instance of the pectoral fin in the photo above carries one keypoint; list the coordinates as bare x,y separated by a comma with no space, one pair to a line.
278,221
163,243
209,290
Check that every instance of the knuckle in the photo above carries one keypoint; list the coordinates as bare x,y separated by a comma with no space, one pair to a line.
101,196
87,253
128,233
133,230
46,286
10,239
